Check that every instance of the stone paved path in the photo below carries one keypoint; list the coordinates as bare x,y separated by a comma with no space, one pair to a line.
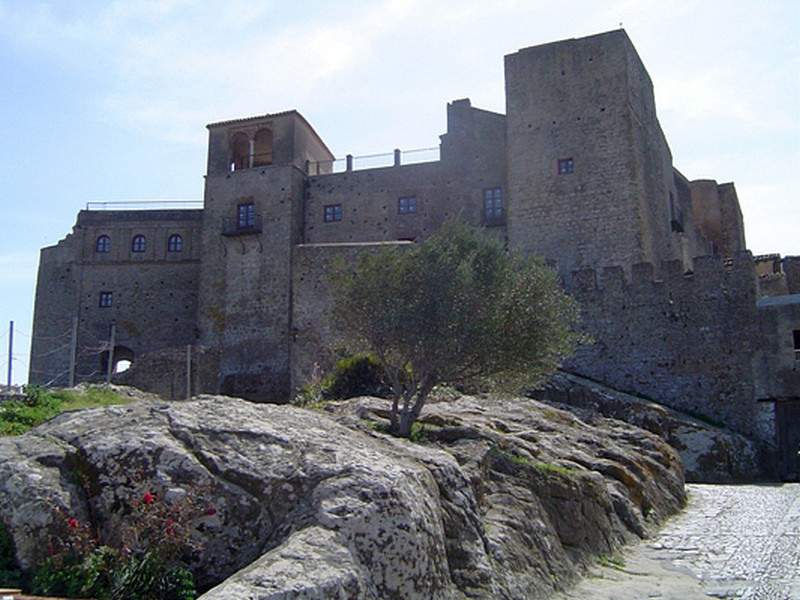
732,542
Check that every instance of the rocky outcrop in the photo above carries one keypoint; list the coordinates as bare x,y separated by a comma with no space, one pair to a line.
507,498
710,453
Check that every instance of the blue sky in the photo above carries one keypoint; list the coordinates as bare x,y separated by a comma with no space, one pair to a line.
105,100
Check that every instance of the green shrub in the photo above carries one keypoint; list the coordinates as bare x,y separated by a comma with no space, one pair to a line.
17,416
357,375
41,404
10,574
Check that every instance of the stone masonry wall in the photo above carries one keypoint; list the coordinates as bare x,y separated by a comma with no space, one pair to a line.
685,341
589,100
153,294
314,340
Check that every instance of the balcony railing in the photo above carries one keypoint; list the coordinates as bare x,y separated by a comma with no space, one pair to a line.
232,226
144,204
373,161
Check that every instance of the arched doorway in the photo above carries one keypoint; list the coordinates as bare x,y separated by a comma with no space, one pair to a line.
122,357
240,152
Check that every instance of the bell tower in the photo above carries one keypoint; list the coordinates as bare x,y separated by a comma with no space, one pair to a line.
253,211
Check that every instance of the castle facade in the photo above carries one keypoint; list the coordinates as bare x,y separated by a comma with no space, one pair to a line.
233,297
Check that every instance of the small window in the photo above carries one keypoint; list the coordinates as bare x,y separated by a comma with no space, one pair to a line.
106,299
493,203
565,166
407,205
796,336
175,243
246,216
103,244
333,212
138,244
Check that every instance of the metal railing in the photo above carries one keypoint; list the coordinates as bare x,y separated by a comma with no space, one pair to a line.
233,226
373,161
143,204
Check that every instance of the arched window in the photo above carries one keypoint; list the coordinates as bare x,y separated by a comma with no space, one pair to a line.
103,244
240,152
138,244
262,148
175,243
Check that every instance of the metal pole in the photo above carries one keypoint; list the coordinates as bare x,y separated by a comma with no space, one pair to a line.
188,371
110,369
10,351
73,352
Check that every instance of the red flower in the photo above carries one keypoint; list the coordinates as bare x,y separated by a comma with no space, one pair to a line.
148,498
211,511
73,523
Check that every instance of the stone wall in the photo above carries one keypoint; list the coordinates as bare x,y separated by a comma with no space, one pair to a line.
164,372
149,297
588,101
684,341
314,339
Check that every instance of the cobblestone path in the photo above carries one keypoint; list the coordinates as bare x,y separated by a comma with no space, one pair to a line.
732,542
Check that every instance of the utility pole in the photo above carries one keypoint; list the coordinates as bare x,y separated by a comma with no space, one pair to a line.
110,369
188,371
73,351
10,351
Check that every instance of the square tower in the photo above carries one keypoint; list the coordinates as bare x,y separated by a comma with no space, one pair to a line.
589,171
253,217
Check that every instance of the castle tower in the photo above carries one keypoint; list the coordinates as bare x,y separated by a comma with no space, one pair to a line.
253,211
589,171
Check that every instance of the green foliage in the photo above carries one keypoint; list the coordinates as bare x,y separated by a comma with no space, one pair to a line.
17,416
357,375
41,404
10,574
458,309
149,578
552,468
153,544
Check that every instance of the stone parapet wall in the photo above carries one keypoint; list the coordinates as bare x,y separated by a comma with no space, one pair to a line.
686,341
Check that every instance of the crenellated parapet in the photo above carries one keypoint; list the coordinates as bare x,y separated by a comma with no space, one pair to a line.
683,338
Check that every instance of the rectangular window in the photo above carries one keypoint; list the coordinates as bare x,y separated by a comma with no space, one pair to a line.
565,166
493,203
333,212
407,205
796,335
246,216
106,299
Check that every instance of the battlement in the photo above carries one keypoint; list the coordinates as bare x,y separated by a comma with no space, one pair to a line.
709,273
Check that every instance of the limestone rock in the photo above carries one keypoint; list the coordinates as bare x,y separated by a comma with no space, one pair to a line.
710,453
508,498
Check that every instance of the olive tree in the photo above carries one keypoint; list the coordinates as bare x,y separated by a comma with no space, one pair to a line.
456,309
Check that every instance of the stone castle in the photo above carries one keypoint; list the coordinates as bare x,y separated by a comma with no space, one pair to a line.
233,297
